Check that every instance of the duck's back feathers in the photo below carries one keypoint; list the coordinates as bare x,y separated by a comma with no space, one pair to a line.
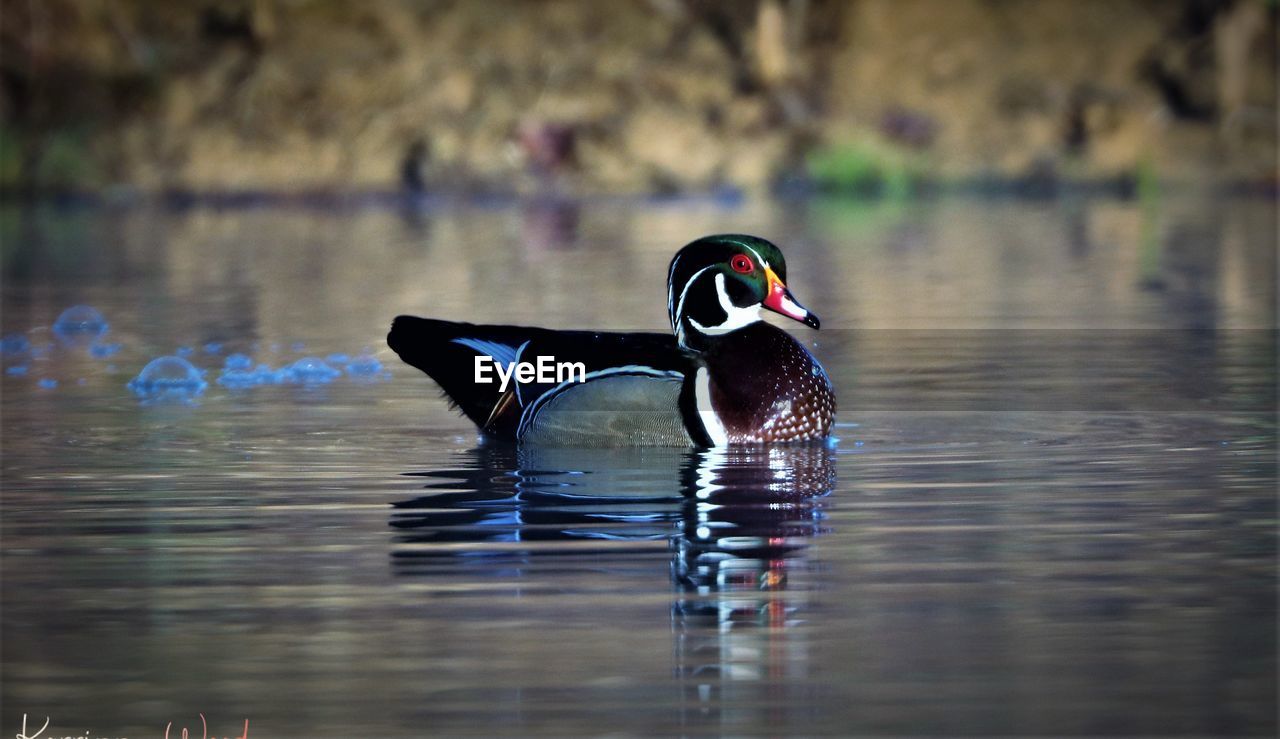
633,385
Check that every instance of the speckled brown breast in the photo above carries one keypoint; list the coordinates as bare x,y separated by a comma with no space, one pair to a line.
766,387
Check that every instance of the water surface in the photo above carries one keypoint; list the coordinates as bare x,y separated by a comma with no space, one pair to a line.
1050,508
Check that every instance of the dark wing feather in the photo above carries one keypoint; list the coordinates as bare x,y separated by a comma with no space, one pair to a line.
446,351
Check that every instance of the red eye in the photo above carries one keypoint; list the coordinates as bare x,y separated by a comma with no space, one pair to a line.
742,263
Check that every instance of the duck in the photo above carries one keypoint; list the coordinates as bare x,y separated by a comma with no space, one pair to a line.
722,377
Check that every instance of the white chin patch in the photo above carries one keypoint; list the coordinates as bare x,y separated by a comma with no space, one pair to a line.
737,317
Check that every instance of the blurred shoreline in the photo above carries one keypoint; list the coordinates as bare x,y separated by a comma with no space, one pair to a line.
126,197
869,98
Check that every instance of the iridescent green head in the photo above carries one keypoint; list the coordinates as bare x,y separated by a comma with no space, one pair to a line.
718,284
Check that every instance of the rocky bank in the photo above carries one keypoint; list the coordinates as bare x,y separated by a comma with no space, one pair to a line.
628,96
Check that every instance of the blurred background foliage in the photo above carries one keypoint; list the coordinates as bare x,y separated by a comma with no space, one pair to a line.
877,97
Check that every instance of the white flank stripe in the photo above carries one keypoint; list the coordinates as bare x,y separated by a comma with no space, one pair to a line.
710,421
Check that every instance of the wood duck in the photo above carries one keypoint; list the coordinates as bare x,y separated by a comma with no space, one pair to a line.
726,377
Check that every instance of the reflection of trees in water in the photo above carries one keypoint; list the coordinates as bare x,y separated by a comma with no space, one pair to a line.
1187,272
737,523
549,224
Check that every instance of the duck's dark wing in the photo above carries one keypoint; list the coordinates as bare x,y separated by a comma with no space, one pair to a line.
635,382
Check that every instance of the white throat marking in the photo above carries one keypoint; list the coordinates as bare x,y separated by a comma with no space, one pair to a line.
736,317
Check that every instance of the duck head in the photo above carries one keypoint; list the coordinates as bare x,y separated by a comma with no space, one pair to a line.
719,284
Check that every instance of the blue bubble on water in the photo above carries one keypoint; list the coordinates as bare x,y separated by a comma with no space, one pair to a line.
237,362
364,366
80,324
237,378
212,347
268,376
184,351
14,344
17,370
309,371
245,377
102,351
47,383
242,377
339,359
168,377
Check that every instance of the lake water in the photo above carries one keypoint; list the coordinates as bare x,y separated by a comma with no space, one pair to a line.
1050,509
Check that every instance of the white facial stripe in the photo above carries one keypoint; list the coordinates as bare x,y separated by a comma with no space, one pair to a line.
671,273
736,317
710,421
759,258
675,317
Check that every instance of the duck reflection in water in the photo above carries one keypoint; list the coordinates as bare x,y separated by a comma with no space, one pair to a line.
743,579
733,524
